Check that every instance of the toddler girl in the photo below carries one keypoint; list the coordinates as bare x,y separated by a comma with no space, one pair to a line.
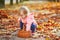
27,19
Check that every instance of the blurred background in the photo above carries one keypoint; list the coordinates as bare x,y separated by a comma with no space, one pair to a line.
46,14
3,3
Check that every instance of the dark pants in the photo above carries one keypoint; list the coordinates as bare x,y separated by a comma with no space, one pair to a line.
33,26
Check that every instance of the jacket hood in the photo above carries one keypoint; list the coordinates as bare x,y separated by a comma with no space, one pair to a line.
26,8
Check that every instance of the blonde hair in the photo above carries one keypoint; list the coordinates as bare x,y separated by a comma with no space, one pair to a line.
26,9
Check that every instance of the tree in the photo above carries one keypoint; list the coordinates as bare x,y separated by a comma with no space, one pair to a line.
2,3
21,0
25,0
16,1
11,2
54,0
51,0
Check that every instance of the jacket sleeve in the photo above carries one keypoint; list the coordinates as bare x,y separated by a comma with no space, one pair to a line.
19,20
28,25
30,20
34,20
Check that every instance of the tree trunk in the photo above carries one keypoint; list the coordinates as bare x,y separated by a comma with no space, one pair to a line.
21,0
25,0
57,0
16,1
52,0
11,2
2,3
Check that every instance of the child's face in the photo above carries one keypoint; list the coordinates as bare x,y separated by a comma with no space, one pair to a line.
23,13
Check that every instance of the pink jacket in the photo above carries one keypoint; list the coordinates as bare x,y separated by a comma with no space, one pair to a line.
28,20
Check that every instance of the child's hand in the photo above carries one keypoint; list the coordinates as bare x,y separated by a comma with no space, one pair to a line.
38,26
